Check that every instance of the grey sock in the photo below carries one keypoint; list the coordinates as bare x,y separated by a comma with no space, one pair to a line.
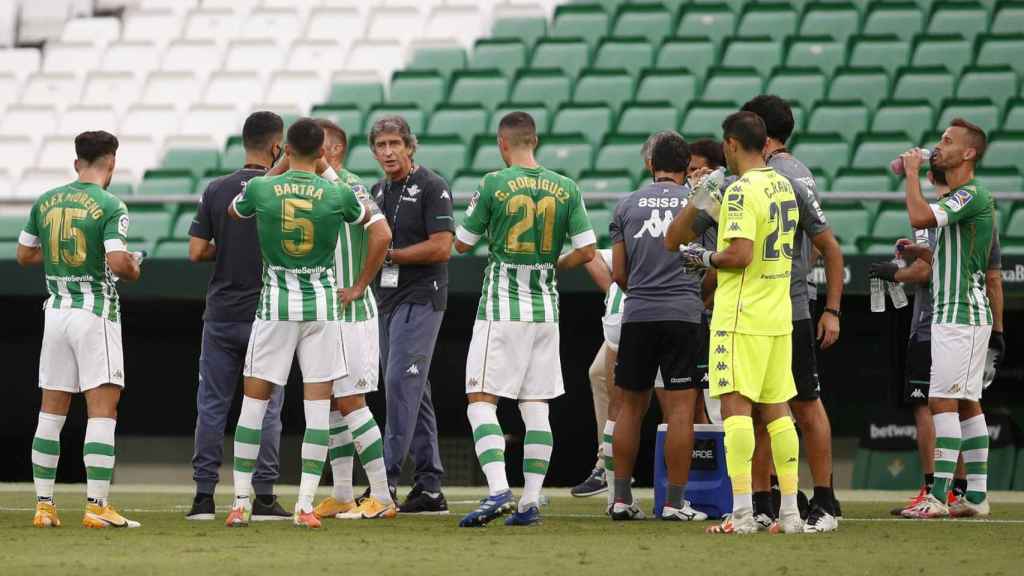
675,495
623,491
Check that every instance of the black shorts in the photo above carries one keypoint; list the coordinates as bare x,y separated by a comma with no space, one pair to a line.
919,372
645,347
703,350
805,361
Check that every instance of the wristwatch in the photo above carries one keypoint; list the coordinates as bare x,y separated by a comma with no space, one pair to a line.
387,257
834,312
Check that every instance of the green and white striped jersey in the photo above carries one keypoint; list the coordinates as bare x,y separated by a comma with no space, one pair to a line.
614,300
350,256
526,214
76,225
965,220
298,219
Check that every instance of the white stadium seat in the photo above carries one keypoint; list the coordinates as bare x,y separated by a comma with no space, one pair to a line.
261,56
281,26
320,56
240,7
35,181
156,121
6,183
21,62
217,122
421,6
238,89
201,57
301,89
220,26
449,22
361,5
138,58
181,7
157,26
135,155
9,90
381,56
43,20
78,119
394,24
178,89
118,90
301,7
18,152
96,31
190,141
33,122
338,24
57,152
77,58
59,90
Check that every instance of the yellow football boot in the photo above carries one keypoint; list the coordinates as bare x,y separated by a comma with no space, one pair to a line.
372,508
105,516
46,516
331,507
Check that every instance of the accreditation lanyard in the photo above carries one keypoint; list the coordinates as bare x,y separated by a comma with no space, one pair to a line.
389,272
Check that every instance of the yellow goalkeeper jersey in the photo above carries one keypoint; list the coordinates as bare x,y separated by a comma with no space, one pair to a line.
761,207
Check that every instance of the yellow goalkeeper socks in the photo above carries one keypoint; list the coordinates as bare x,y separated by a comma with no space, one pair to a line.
739,451
785,453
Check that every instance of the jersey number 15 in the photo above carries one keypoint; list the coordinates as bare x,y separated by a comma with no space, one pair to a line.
60,223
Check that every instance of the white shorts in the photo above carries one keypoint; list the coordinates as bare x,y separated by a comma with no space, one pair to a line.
81,351
273,344
517,360
361,347
612,326
958,361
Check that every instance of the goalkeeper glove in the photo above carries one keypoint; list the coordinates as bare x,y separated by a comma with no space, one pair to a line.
695,257
883,270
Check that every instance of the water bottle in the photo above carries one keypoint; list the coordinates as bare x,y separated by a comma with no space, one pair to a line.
897,165
877,295
707,196
896,292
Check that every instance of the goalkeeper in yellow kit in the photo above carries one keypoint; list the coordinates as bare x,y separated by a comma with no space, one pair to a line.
750,349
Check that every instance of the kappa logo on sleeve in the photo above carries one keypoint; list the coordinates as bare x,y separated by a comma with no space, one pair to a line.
958,200
445,195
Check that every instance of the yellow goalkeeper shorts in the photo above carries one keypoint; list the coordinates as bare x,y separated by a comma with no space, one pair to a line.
758,367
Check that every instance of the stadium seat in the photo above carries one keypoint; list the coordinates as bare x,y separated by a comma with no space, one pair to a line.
889,52
325,22
705,119
911,117
298,91
1001,179
32,122
58,90
1005,150
593,121
528,29
412,114
234,153
170,89
677,87
696,55
622,154
950,51
250,55
868,85
360,159
965,18
349,118
605,182
426,89
1014,121
611,87
463,187
861,180
382,56
9,88
712,21
777,20
118,90
1001,50
569,54
587,21
57,152
641,118
509,56
904,19
18,152
73,58
11,226
35,181
486,157
600,219
837,20
318,56
805,86
539,112
200,58
217,25
442,154
21,62
461,23
630,54
761,53
891,225
135,155
78,119
1008,19
156,26
217,122
194,160
735,85
171,250
652,21
462,120
485,87
569,155
821,52
238,89
548,86
849,224
932,84
363,92
876,150
161,184
846,118
997,83
980,111
445,59
828,152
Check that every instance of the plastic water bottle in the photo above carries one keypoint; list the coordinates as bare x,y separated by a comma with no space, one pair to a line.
896,292
897,165
877,295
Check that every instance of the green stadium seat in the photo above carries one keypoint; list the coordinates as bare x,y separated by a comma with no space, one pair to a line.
861,180
980,111
361,160
363,94
487,88
611,87
838,20
1001,179
550,86
997,83
676,86
904,19
1014,121
1005,150
1001,464
828,152
587,21
736,6
594,121
630,54
803,85
171,250
539,112
649,20
486,156
891,225
442,154
11,227
234,155
647,118
911,117
416,118
622,153
464,186
735,85
166,183
932,84
876,150
847,118
528,29
202,183
1008,19
350,118
1014,228
760,53
712,21
121,189
569,155
194,160
965,18
951,51
462,120
182,224
705,118
1002,50
605,182
569,54
849,224
694,54
444,59
869,85
499,54
821,52
600,219
889,52
149,226
775,19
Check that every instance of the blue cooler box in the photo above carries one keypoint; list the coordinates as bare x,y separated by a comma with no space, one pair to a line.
708,488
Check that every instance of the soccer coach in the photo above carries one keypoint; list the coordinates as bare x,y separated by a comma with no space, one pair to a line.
233,247
413,295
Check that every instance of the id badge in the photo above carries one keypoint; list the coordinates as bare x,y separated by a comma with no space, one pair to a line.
389,277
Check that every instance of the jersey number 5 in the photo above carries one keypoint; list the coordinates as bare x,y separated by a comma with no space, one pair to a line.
292,223
546,207
60,223
779,213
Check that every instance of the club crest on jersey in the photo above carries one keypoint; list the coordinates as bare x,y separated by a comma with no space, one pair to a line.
413,190
122,225
958,200
472,203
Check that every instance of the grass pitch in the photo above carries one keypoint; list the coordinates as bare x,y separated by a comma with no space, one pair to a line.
575,538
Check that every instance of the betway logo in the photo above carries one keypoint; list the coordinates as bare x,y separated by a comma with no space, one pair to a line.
817,275
656,225
1014,275
893,431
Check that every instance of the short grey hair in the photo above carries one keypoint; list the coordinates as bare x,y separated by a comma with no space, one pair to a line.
393,124
647,150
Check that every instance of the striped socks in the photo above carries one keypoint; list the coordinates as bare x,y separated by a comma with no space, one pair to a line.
314,449
247,443
99,458
489,442
739,450
975,450
340,451
46,453
366,439
947,449
536,451
609,459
